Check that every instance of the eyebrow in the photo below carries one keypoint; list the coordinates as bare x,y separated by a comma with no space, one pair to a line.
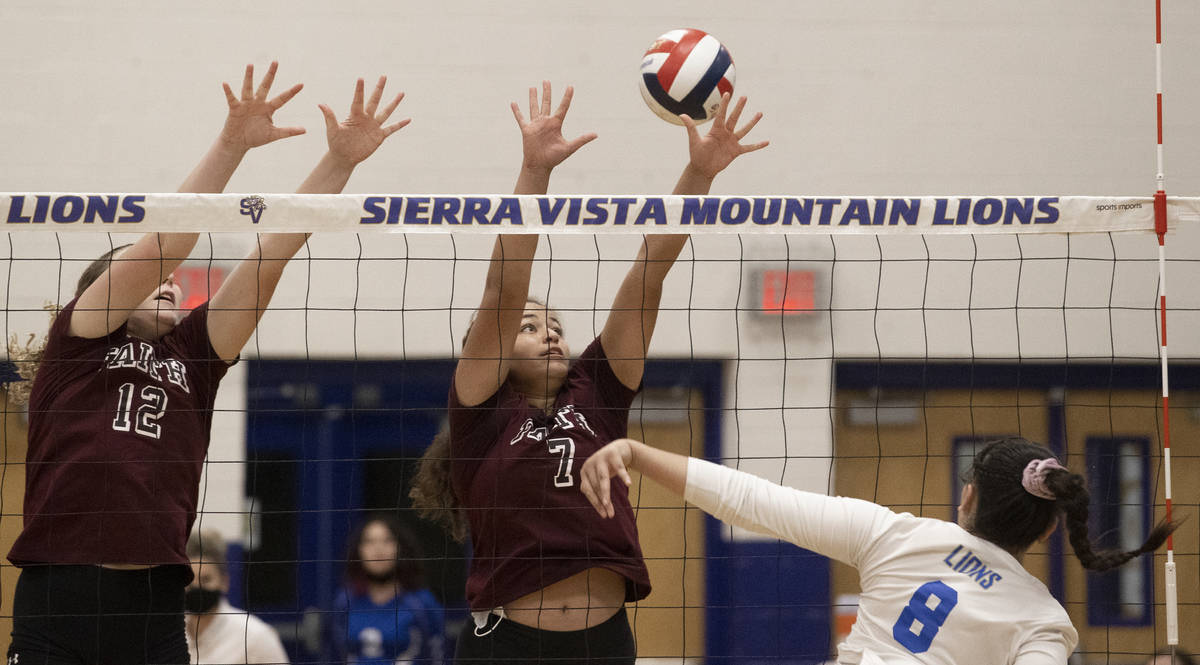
549,318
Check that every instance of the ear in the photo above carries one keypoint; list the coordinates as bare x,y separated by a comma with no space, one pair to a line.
1049,530
966,505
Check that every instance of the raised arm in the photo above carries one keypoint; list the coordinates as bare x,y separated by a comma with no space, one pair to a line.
836,527
139,269
630,325
239,304
483,365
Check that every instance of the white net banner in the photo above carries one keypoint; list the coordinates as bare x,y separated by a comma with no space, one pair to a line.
854,215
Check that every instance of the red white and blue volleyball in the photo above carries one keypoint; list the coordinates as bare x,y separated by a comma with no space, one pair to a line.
685,72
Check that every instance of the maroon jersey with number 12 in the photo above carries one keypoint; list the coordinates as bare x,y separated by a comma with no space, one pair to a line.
515,471
118,430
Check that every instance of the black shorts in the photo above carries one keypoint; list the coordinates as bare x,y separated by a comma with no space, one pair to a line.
609,643
89,614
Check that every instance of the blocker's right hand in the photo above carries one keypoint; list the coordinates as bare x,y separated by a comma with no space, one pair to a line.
249,122
609,462
541,136
363,131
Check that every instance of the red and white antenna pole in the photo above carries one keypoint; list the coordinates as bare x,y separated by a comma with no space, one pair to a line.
1160,227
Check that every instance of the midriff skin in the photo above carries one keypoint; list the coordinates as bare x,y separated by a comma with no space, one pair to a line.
583,600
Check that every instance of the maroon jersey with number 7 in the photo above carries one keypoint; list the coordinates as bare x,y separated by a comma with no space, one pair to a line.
515,471
118,430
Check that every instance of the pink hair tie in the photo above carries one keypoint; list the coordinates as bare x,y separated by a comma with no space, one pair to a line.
1034,477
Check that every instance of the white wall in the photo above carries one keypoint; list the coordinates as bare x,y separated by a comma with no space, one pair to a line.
874,97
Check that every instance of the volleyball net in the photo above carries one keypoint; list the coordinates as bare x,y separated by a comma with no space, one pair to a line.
862,346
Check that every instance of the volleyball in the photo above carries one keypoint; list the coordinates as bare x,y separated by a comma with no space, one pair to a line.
686,72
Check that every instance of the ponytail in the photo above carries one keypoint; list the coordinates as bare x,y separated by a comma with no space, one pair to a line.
1016,504
1072,498
433,494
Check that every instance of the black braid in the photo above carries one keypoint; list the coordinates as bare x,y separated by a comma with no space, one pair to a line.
1073,499
1009,516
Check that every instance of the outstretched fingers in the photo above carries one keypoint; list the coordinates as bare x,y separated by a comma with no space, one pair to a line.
229,96
741,133
356,105
731,124
690,124
376,96
516,109
331,121
581,141
248,83
264,86
545,98
285,96
383,115
395,127
565,104
719,119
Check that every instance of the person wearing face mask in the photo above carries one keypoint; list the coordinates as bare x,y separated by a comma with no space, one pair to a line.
217,632
121,407
385,615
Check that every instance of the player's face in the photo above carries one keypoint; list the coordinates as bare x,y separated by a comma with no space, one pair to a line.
377,550
209,577
541,350
158,314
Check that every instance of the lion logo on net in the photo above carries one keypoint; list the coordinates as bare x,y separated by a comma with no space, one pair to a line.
254,207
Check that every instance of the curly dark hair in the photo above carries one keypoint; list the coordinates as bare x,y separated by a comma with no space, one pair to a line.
432,493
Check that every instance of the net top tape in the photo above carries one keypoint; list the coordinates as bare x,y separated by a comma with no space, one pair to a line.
587,214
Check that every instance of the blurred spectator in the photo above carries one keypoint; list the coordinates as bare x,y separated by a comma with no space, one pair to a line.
385,615
218,632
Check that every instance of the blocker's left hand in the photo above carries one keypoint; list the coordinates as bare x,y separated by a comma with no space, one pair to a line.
717,149
249,122
356,138
542,141
599,470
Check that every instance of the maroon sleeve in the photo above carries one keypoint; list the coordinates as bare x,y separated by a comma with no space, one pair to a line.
609,390
190,340
473,428
66,357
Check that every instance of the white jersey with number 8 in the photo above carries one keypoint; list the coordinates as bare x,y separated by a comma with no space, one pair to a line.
931,591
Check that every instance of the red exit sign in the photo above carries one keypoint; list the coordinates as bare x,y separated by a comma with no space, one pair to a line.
786,291
199,283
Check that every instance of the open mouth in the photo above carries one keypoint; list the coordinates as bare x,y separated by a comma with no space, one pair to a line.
167,297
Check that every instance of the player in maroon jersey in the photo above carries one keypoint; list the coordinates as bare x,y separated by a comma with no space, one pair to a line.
121,410
549,580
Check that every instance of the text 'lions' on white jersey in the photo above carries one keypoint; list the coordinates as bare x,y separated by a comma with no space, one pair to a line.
931,591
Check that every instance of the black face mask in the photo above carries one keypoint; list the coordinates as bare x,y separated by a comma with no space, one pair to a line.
198,600
376,578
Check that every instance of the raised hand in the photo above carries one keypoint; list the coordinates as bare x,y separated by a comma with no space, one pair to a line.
598,471
249,122
356,138
541,135
712,152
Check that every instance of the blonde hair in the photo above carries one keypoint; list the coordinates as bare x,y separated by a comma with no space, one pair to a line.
207,547
26,358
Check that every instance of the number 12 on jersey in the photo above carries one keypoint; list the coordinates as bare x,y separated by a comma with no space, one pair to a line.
929,618
145,421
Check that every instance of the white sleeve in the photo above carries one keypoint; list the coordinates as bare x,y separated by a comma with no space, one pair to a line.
837,527
263,645
1050,646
